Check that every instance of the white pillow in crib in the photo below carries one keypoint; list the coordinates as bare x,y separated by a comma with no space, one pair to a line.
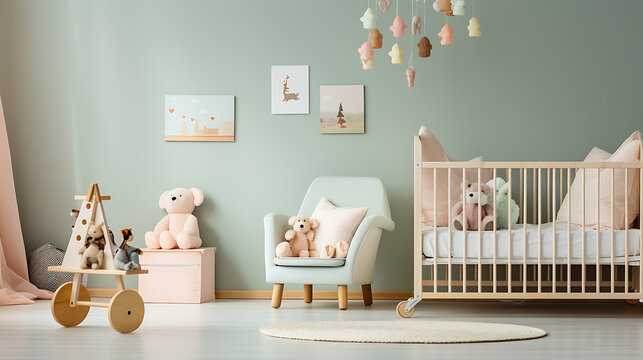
432,150
630,150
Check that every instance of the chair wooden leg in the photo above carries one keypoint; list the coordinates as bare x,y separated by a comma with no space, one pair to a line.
277,293
308,293
367,294
342,296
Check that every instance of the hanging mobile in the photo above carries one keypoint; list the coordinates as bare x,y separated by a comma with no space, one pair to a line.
375,38
384,5
446,34
410,70
368,19
459,7
474,24
367,56
398,27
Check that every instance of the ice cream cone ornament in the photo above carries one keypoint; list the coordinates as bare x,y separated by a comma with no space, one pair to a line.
416,25
410,76
367,56
446,34
396,54
368,19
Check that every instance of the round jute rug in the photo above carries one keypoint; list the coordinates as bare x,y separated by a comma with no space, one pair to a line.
403,331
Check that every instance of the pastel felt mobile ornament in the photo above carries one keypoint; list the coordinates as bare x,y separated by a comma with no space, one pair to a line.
459,7
424,47
368,19
375,38
416,25
474,27
398,27
410,76
446,34
384,5
366,55
396,54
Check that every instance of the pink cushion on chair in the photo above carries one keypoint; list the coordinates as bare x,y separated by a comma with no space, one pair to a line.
629,151
335,223
432,151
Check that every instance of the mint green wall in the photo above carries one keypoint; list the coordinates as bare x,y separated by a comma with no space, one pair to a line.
83,84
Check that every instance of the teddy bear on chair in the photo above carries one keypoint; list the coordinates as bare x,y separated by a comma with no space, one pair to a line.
299,239
475,199
179,228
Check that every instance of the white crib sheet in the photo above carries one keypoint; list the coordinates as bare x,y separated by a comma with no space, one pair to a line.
517,242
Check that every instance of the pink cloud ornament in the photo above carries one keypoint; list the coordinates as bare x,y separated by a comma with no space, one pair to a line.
398,27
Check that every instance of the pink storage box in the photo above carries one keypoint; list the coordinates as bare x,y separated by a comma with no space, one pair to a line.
177,276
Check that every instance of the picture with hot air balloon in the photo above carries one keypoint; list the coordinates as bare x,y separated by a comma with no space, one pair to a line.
341,109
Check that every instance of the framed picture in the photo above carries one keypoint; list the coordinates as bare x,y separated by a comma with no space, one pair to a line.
341,109
289,90
199,118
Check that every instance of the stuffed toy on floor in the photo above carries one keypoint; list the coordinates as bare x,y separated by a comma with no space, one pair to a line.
470,198
502,204
299,239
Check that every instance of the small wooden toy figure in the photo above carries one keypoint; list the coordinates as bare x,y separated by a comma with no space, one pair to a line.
446,34
384,5
398,27
396,54
367,56
416,25
410,76
368,19
126,256
474,27
459,7
375,38
94,249
424,47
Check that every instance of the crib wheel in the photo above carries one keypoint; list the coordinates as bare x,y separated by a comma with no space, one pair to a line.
632,301
402,312
63,313
126,311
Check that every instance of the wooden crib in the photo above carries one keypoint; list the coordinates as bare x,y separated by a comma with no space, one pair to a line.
537,258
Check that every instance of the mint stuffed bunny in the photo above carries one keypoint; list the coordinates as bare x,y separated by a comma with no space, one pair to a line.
501,205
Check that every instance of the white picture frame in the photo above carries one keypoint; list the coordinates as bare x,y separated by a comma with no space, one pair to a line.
289,88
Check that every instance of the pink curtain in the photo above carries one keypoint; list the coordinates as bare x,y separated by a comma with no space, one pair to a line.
15,287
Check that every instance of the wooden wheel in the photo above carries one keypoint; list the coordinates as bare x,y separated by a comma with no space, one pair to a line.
126,311
632,301
63,313
402,312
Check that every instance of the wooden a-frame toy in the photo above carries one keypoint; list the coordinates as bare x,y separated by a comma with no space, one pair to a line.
71,302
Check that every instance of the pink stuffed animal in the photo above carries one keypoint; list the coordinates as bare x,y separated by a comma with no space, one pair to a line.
299,239
179,227
470,201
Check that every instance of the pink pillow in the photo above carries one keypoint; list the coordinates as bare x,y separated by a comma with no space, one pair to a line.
432,151
629,151
335,223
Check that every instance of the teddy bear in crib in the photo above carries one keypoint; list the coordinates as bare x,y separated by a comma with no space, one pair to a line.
93,251
501,206
474,199
179,228
126,256
299,239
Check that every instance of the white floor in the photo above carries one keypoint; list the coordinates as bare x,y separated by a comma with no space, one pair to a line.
228,329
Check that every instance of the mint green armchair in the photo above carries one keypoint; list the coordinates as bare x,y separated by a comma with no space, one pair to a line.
357,268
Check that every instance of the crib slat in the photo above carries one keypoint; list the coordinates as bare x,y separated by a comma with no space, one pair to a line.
495,240
464,231
480,235
524,235
539,233
569,226
435,230
627,245
583,237
509,231
553,212
417,217
449,270
548,193
598,230
640,278
533,193
612,234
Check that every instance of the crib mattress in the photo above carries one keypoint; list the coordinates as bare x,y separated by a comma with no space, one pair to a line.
517,242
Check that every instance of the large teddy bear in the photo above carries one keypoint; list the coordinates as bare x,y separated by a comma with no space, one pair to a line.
179,228
299,239
470,202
